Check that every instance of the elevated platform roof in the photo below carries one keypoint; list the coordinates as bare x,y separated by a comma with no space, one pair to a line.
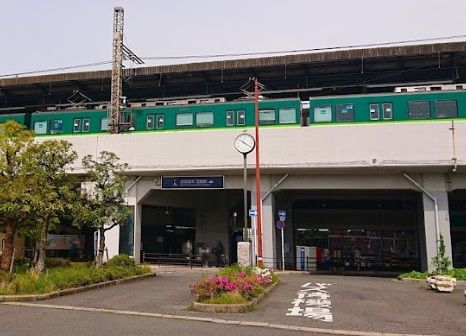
301,75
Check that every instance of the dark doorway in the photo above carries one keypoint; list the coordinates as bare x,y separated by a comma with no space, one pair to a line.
166,229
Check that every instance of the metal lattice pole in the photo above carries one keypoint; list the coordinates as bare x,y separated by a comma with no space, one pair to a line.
117,66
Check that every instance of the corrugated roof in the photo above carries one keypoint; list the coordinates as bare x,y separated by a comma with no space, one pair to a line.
310,57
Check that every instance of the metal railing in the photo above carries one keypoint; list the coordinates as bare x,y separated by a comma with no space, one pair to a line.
172,259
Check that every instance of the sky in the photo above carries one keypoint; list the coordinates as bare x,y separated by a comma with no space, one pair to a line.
46,34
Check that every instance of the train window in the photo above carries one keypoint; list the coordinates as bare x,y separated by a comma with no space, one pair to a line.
446,109
266,117
287,115
104,124
86,124
40,127
204,119
160,121
419,110
77,125
184,119
230,121
345,112
374,111
150,122
241,117
56,126
387,111
323,113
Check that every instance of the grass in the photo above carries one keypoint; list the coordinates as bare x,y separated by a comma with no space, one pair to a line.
458,273
53,279
227,298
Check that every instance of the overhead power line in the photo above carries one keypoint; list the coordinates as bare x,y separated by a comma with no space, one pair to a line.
207,56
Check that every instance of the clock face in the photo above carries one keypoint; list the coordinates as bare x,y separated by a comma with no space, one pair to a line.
245,143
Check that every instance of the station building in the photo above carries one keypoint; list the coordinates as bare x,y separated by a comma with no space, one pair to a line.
367,196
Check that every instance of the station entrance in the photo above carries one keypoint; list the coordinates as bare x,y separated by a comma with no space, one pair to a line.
457,204
356,230
199,224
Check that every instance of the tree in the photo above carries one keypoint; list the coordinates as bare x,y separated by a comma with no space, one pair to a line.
103,205
440,261
15,139
54,190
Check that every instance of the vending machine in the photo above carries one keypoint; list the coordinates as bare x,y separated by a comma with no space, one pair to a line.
306,258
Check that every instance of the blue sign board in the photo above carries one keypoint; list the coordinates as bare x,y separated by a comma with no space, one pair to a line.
281,213
192,182
252,212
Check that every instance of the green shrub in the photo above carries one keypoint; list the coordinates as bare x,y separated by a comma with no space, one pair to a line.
233,270
413,275
57,262
57,278
458,273
122,260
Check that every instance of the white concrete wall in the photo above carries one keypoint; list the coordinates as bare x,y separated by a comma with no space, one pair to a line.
375,145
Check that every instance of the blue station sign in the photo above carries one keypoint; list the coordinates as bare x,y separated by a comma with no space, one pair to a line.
192,182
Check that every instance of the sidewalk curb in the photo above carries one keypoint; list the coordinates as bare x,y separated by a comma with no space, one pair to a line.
218,321
69,291
231,308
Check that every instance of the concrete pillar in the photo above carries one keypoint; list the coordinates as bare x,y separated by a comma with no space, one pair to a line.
435,185
137,232
269,247
135,196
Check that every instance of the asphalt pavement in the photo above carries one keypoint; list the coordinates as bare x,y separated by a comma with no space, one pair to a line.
368,304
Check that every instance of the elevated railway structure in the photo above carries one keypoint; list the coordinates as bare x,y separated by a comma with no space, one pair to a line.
371,183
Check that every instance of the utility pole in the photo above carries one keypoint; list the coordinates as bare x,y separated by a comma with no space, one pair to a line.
120,51
258,174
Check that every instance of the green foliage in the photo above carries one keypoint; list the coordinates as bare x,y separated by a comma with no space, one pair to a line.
233,270
57,262
15,212
458,273
227,298
413,275
102,204
122,260
63,277
440,261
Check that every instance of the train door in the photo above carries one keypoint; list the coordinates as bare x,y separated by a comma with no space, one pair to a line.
235,118
381,111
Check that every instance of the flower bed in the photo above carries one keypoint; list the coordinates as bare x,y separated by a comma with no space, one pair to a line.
233,285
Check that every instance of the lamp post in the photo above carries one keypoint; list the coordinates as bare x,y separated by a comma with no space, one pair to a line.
245,143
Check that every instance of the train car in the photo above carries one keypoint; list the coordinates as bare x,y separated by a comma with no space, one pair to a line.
20,118
69,122
220,115
389,107
170,118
